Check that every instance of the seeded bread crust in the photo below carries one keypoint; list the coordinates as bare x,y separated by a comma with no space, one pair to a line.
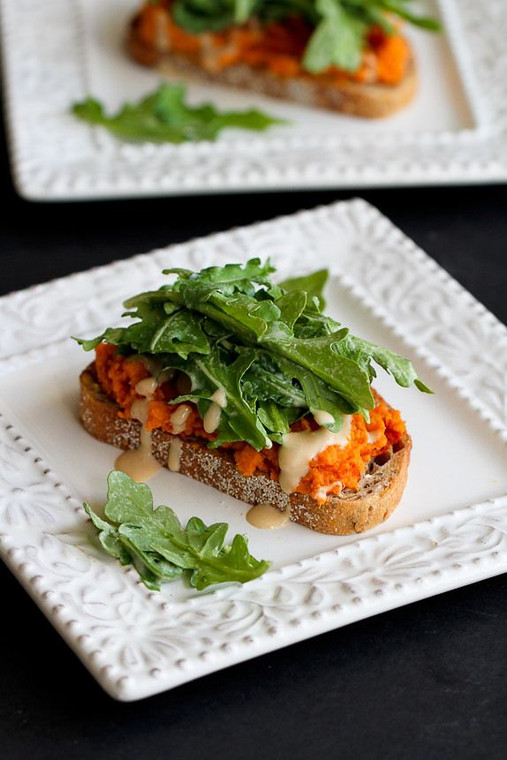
351,512
371,101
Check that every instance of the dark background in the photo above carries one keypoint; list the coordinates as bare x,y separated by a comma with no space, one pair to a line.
424,681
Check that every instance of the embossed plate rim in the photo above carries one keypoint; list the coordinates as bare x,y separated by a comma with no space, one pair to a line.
180,641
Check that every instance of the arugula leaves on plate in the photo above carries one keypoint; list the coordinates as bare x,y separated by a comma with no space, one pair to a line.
268,346
339,27
163,116
160,548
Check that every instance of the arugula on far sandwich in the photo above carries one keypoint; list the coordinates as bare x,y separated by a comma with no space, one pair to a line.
339,27
163,116
160,548
268,346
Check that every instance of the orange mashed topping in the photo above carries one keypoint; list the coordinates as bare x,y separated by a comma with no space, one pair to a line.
275,46
334,468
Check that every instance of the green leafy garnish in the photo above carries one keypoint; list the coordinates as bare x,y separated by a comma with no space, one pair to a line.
160,549
339,27
163,116
268,347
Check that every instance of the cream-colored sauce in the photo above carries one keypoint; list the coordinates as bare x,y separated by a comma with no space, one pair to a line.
179,418
140,464
323,491
162,38
174,458
139,410
219,398
268,517
209,54
298,450
212,417
147,387
322,417
373,436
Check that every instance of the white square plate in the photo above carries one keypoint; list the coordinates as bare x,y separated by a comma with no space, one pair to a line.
454,131
450,529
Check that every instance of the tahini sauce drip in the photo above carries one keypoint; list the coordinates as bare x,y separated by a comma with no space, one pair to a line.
179,418
322,417
212,416
147,387
174,458
268,517
140,464
298,450
162,39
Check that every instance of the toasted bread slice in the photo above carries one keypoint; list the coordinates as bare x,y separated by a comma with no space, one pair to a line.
350,512
373,101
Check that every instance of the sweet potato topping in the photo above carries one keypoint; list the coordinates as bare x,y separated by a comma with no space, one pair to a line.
343,467
392,53
275,46
118,376
334,468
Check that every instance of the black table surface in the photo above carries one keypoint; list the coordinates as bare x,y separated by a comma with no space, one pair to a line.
424,681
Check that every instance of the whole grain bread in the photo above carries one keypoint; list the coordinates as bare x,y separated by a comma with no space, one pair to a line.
354,98
350,512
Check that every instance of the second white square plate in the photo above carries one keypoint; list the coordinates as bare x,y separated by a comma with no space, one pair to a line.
454,131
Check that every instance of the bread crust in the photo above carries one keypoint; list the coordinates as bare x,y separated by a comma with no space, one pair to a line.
349,512
371,101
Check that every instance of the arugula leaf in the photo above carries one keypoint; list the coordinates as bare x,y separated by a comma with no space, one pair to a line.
337,40
240,416
312,284
180,333
265,379
364,352
199,16
291,306
320,356
163,116
246,311
196,287
319,396
228,295
277,419
108,537
160,549
398,8
111,335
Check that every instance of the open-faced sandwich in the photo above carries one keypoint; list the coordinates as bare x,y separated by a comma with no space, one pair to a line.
250,388
345,55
